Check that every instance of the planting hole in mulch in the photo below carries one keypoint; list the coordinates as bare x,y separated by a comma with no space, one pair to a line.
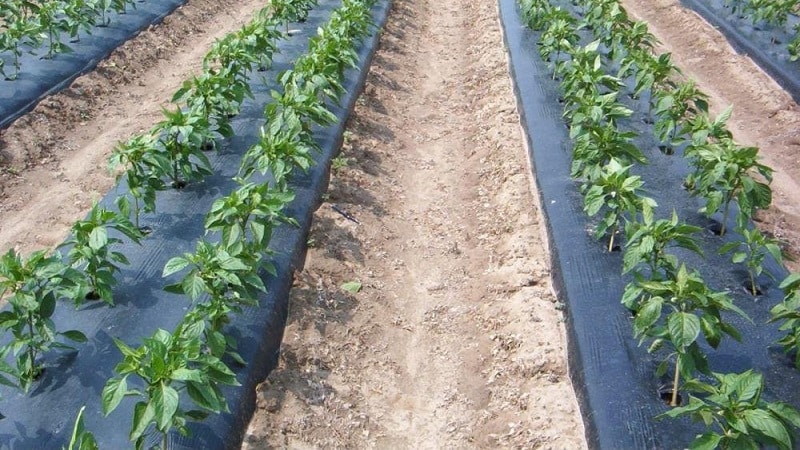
665,394
92,296
749,290
145,230
715,228
179,184
666,149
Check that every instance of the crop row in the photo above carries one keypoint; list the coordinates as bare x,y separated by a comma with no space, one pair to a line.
26,26
672,304
223,274
772,12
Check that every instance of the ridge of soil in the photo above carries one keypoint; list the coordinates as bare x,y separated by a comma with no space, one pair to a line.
455,338
764,115
53,159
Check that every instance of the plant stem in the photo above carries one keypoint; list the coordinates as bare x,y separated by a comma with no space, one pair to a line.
611,239
725,218
31,349
674,401
136,210
753,289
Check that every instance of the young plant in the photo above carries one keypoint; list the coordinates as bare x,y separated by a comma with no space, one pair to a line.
33,286
646,242
20,33
168,363
51,18
559,37
673,108
79,15
743,420
182,136
229,277
724,172
597,145
788,312
616,192
692,309
143,166
90,246
252,209
752,252
81,439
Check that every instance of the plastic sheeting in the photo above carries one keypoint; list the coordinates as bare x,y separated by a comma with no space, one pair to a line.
613,376
43,418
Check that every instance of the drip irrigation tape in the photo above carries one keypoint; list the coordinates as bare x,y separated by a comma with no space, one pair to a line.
614,377
43,418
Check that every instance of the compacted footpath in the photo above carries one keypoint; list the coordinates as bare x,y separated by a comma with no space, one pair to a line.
424,317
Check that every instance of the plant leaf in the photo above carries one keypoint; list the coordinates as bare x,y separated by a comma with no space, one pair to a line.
113,393
353,287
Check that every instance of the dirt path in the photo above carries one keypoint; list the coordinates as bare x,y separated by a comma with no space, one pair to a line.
764,114
455,339
53,160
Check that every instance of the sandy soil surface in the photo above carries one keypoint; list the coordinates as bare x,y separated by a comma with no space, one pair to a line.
455,339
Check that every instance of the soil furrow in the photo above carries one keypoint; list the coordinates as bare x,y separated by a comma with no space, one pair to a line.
454,339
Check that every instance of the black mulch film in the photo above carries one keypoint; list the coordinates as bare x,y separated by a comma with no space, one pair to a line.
43,418
614,377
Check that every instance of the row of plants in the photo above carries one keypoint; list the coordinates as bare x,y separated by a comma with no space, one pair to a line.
771,12
672,304
221,278
28,26
203,108
223,274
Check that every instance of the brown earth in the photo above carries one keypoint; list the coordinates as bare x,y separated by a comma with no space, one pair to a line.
454,339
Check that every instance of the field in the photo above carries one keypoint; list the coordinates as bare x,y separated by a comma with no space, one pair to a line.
425,314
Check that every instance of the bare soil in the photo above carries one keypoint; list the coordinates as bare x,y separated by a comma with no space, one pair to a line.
454,338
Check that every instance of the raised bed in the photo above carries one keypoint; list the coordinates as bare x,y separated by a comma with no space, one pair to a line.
614,377
43,418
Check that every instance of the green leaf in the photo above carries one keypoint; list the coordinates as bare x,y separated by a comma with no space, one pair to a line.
165,403
707,441
184,374
684,328
143,414
785,412
98,238
113,393
765,423
74,336
175,264
352,287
